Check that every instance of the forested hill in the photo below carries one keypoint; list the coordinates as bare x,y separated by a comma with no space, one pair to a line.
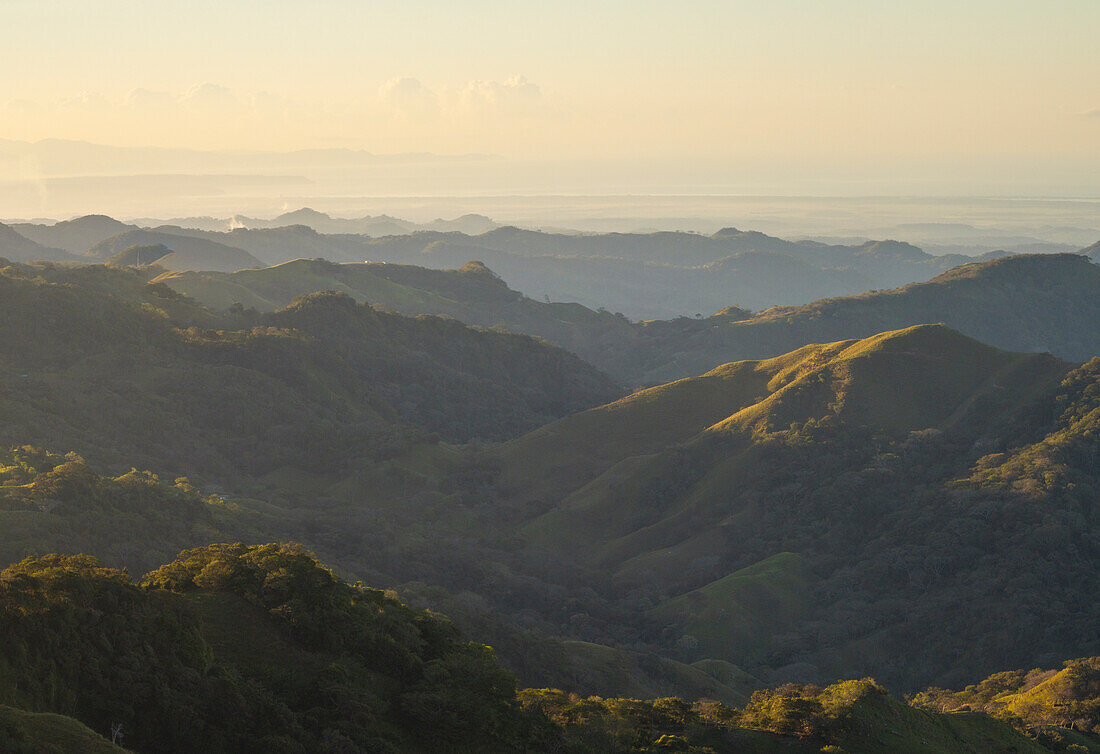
95,360
830,511
1036,302
231,647
1025,303
472,293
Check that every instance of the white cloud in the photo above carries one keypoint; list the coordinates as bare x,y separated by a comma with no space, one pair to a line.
85,101
409,98
208,95
142,98
514,96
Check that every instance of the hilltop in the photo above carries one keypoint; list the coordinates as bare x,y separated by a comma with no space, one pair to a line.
187,253
230,647
75,236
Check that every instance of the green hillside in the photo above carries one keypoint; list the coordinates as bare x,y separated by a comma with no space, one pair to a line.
23,732
837,511
140,255
1025,303
817,529
1043,302
231,647
96,361
1058,707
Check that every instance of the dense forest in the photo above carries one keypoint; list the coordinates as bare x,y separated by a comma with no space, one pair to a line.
98,361
261,648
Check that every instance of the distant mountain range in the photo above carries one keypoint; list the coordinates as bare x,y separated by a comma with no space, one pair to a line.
18,248
644,276
1022,302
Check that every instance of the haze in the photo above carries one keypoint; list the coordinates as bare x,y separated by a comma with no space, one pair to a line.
782,98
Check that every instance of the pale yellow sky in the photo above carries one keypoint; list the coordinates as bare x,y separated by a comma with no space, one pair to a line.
825,81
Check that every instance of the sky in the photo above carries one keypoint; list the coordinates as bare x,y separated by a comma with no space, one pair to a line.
869,87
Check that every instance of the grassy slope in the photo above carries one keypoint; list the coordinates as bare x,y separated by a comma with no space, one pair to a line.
872,723
590,466
47,733
741,608
650,515
1029,303
630,674
547,463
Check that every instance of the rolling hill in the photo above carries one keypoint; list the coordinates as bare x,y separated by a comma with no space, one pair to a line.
95,360
1046,302
17,248
188,253
817,514
75,236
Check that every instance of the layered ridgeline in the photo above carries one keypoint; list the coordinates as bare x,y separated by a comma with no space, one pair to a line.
1037,303
841,510
915,506
75,236
21,249
181,252
261,648
655,275
96,361
472,294
641,275
1023,303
